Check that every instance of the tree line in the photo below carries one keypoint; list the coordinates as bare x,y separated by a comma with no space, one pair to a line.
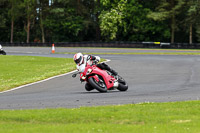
99,20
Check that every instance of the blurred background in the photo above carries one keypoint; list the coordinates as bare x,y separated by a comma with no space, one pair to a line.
99,20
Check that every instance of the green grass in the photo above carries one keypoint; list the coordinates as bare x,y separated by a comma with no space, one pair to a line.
175,117
20,70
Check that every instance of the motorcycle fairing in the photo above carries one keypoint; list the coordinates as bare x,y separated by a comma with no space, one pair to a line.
108,79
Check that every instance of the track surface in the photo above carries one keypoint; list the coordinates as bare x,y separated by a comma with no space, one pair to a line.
151,78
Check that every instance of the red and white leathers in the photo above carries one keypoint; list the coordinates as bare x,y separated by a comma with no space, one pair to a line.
82,60
87,59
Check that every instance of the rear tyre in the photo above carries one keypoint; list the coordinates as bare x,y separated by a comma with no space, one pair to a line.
123,86
99,86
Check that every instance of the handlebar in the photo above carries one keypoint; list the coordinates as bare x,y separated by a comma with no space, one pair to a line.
94,62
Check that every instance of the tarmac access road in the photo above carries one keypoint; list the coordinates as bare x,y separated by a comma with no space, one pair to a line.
151,78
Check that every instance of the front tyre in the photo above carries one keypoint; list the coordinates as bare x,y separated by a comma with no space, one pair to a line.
123,86
4,53
88,87
98,85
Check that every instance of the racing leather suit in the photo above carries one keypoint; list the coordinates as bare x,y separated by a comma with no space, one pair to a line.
90,59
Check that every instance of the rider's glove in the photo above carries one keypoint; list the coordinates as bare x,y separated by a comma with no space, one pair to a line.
89,57
94,62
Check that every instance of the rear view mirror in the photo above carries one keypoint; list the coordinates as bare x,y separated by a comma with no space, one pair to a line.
74,75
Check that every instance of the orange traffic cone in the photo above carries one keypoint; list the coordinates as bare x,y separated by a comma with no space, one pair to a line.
53,49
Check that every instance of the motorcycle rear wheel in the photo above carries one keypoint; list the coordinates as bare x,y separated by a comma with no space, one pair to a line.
123,86
99,86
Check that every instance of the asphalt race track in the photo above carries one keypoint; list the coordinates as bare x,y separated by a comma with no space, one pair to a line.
151,78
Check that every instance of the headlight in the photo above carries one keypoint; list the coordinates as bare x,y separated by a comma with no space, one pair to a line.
89,71
83,77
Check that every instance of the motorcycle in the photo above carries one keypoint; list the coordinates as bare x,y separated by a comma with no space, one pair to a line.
101,80
2,51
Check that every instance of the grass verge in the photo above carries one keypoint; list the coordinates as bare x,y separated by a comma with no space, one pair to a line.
20,70
176,117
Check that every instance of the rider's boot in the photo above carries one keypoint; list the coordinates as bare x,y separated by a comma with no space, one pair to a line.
113,72
110,69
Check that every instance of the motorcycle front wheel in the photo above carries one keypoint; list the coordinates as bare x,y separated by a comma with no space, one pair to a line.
98,85
88,87
3,52
123,86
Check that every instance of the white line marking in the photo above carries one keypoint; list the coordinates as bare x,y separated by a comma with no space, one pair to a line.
42,80
38,82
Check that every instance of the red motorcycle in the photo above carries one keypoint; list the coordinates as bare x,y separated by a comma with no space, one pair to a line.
101,80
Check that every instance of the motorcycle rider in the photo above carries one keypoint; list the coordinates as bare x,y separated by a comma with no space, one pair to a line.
2,51
82,60
0,47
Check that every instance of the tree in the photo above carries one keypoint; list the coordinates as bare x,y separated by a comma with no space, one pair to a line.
94,20
112,17
198,32
2,15
192,16
14,13
97,24
128,21
168,9
30,10
4,30
64,22
43,7
89,10
139,27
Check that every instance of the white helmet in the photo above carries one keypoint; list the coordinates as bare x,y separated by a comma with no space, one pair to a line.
78,58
